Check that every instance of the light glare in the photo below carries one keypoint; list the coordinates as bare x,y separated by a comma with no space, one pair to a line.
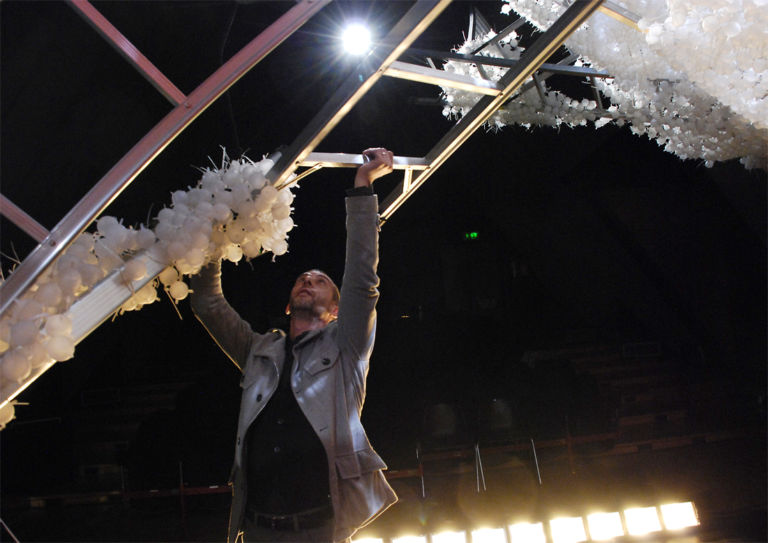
525,532
679,515
605,526
410,539
489,535
568,530
356,39
642,520
450,537
368,540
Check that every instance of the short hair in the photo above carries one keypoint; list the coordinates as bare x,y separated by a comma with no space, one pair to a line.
336,293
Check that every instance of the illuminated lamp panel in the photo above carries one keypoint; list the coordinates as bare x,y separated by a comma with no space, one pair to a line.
605,526
410,539
489,535
602,526
449,537
642,520
525,532
567,530
677,516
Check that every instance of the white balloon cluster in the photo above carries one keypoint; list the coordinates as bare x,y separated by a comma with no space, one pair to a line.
7,414
695,80
232,213
527,108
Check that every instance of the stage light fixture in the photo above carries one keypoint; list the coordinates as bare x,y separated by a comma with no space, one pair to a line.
525,532
567,530
489,535
679,515
642,520
449,537
356,39
603,526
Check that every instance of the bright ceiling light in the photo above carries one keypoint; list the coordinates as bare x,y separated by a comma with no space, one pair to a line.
489,535
567,530
450,537
356,39
604,526
368,540
679,515
525,532
642,520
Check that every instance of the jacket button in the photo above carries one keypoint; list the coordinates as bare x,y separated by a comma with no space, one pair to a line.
258,398
326,361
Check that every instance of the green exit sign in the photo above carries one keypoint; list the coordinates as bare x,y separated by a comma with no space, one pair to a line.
470,235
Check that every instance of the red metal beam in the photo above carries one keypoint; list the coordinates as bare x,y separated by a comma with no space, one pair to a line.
128,51
151,145
20,218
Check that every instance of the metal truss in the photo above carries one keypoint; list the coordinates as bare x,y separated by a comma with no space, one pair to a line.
382,61
105,298
126,170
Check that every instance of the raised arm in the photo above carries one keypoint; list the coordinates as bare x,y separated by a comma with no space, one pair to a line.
231,333
359,292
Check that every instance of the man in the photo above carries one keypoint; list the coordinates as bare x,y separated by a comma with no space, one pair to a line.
304,469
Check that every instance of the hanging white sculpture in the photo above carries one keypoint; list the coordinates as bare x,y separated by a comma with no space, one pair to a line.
232,212
694,78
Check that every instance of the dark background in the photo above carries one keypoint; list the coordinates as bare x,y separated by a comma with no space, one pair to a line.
585,237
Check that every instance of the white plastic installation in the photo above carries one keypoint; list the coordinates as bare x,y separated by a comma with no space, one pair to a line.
694,77
232,212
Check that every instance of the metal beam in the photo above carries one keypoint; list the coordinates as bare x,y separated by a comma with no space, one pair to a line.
370,69
151,145
127,50
530,61
318,161
90,310
543,75
561,69
494,41
621,14
423,74
19,217
349,160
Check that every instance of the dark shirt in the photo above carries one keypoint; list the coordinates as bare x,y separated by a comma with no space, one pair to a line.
287,466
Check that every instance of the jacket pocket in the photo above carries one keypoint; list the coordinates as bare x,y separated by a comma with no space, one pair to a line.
254,371
322,360
354,465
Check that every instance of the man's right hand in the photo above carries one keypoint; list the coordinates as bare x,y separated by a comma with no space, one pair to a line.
379,164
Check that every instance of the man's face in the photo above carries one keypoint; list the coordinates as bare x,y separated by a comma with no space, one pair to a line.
314,293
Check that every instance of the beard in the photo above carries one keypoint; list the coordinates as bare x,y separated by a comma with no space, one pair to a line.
303,305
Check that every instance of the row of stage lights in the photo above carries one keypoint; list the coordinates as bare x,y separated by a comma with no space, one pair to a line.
639,521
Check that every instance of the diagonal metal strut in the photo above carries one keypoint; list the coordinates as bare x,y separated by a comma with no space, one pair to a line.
370,69
530,61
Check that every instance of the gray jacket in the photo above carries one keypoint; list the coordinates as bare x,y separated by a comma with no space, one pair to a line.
328,377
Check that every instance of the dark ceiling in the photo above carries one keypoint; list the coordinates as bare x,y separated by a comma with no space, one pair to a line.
585,236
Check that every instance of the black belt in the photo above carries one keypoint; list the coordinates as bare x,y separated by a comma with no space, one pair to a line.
303,520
